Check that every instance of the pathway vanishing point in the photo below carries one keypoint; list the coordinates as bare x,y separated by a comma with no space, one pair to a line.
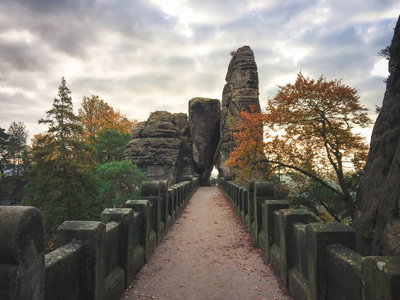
207,254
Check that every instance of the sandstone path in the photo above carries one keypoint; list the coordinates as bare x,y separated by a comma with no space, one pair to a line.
206,254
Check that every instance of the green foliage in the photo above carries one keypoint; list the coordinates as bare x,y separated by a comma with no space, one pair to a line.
12,148
385,52
60,180
3,150
119,181
320,200
16,147
111,145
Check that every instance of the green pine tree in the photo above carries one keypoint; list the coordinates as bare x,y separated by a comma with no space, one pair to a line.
61,178
16,146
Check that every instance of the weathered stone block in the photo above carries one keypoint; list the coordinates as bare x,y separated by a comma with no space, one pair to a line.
319,236
66,273
126,241
171,204
381,277
344,273
266,234
298,275
139,252
151,190
92,234
286,219
263,190
21,253
250,205
165,210
115,279
148,233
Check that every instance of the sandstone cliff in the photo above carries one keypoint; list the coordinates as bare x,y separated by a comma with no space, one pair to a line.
377,222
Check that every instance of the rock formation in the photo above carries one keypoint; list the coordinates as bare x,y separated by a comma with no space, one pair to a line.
167,147
204,125
240,91
377,222
161,147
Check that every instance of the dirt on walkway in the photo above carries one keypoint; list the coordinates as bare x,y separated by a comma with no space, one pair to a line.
206,254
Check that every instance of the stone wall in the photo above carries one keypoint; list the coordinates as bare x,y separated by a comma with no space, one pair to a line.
93,260
315,260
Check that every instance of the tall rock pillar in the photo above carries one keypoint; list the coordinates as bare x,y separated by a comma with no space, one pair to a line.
377,221
240,91
204,125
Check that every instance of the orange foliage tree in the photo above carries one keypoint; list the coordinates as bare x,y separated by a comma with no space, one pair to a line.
309,129
247,158
98,117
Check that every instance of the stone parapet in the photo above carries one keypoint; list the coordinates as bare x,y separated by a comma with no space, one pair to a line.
93,260
315,260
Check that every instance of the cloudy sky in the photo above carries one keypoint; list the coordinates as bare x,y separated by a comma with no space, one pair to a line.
146,55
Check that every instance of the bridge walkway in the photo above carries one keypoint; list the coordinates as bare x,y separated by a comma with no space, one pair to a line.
206,254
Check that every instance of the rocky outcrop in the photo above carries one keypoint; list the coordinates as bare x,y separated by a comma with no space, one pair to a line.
166,147
204,125
377,222
240,91
161,147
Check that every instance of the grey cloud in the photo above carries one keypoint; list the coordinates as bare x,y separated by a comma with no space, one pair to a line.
134,57
21,57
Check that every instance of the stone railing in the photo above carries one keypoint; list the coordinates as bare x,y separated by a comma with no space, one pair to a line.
93,259
315,260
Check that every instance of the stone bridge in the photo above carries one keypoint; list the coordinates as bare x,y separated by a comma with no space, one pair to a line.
100,259
315,260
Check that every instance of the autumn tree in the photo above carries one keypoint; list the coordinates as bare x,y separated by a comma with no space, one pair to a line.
98,117
309,129
247,158
60,179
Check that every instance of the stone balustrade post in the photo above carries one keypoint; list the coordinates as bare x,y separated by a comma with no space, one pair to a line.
149,236
287,218
381,277
22,270
92,235
319,236
151,190
166,216
263,190
125,217
266,234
